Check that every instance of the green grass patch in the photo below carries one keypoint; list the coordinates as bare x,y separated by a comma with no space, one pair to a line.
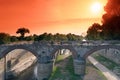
60,58
105,61
70,66
68,70
55,74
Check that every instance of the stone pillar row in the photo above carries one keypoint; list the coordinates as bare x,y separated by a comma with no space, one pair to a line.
44,68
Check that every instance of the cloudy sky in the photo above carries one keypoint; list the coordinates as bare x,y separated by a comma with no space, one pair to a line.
52,16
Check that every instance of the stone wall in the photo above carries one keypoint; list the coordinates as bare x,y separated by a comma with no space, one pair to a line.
44,70
112,54
79,67
2,69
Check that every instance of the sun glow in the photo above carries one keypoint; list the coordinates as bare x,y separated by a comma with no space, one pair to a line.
96,7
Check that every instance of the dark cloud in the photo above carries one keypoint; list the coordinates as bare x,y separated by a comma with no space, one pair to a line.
113,7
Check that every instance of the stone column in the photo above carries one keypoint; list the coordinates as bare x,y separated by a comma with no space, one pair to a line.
79,67
44,69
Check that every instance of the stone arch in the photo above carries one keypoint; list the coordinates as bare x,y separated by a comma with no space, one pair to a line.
74,52
10,48
100,48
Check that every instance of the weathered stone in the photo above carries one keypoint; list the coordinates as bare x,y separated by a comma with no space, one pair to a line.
79,67
46,51
44,70
112,54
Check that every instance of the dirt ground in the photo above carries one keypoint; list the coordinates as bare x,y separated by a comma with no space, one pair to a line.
91,72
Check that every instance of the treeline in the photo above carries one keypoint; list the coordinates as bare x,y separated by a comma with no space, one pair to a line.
6,38
110,28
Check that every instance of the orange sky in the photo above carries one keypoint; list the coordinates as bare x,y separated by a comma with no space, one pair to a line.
39,16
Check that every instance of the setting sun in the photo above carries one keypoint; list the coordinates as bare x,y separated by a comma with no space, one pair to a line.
52,16
96,7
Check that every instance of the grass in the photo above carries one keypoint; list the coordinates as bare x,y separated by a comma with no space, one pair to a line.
60,58
64,72
55,74
69,66
56,70
89,64
105,61
70,69
101,74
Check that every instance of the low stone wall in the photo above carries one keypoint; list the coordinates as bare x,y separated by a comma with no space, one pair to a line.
112,54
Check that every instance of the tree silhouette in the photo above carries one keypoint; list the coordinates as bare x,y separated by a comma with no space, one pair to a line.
22,31
94,31
4,38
